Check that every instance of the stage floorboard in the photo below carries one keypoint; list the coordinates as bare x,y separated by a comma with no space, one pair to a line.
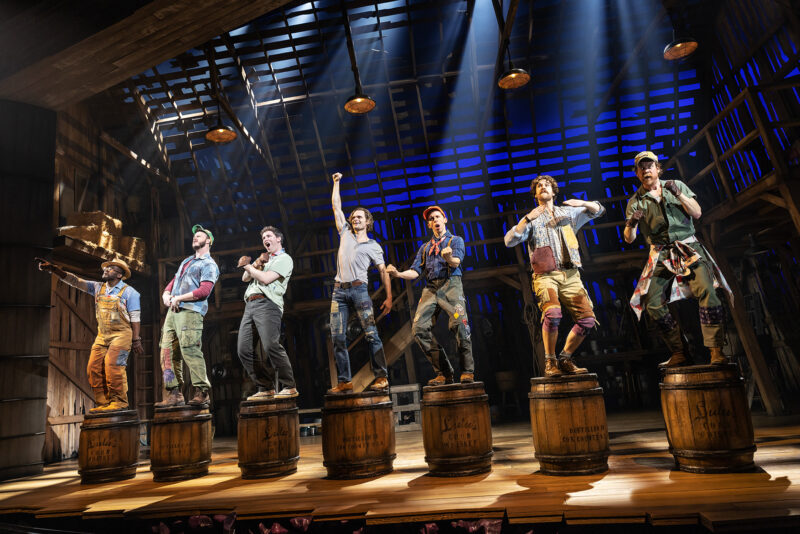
641,487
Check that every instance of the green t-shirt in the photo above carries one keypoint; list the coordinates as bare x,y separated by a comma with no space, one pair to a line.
663,222
282,264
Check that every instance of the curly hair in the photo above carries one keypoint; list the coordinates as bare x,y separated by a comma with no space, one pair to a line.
547,178
367,215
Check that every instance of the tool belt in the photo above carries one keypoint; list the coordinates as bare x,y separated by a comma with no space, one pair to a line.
348,285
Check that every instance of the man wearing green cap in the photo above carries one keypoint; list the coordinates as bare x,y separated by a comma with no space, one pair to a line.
186,296
664,212
118,310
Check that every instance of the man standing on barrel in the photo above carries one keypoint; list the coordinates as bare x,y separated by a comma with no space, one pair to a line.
186,296
440,262
350,291
664,211
118,320
550,231
263,309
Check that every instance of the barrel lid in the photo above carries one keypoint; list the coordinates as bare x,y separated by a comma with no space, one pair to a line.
453,387
114,413
562,379
360,394
697,369
268,401
169,409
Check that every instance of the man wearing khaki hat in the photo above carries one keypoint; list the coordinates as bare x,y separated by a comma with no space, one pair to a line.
186,296
439,261
664,212
118,310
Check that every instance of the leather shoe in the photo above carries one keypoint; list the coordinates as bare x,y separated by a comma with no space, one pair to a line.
467,378
341,387
379,384
200,398
440,380
717,358
551,367
173,398
567,366
675,360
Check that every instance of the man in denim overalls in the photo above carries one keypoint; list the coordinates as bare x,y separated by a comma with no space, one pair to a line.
118,310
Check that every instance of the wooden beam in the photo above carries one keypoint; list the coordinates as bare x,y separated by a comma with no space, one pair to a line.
393,348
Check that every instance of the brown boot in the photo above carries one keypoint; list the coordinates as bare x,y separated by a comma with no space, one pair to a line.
467,378
173,398
100,400
551,367
201,398
440,380
568,367
113,406
379,384
676,360
341,387
717,358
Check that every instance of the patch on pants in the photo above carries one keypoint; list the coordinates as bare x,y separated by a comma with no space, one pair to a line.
549,298
581,305
121,357
169,376
367,317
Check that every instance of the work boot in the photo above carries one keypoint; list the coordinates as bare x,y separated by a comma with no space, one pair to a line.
262,394
113,406
467,378
100,399
287,393
717,358
567,366
379,384
677,359
551,367
440,380
200,398
341,387
174,398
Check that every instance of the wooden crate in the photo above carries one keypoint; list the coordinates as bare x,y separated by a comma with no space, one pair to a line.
402,409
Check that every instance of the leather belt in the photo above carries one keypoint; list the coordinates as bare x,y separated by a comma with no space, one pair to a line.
257,296
348,285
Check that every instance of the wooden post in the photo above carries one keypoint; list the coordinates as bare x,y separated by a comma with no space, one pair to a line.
766,386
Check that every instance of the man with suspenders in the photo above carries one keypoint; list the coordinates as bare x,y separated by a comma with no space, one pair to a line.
439,261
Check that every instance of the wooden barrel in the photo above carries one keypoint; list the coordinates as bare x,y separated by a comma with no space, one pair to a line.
568,421
269,438
709,428
456,429
180,443
358,435
109,446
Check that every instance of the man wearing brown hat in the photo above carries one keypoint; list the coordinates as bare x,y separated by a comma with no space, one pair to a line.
118,310
186,296
439,261
664,212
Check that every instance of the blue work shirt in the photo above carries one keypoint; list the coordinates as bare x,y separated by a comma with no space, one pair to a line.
435,267
129,298
202,269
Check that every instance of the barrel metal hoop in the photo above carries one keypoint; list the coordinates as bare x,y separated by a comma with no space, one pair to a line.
264,415
686,453
94,472
193,419
350,409
718,384
451,402
273,463
571,458
361,463
179,468
460,460
594,392
103,426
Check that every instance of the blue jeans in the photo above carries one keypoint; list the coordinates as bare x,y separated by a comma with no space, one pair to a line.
358,299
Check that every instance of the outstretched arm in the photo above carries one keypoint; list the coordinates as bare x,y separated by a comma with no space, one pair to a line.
68,278
408,274
336,202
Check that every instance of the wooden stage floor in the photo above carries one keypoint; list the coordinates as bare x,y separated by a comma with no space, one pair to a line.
641,488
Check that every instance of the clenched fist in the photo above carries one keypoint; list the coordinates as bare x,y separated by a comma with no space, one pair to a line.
244,260
634,220
336,177
672,187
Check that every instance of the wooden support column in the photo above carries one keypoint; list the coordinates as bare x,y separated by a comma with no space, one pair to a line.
790,191
766,386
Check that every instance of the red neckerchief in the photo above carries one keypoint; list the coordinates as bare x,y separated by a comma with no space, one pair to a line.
434,248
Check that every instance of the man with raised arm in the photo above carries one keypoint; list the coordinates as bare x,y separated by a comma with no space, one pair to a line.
554,252
186,296
439,261
263,309
350,292
118,310
664,212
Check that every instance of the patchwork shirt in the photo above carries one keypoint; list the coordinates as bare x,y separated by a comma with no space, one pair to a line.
202,269
557,231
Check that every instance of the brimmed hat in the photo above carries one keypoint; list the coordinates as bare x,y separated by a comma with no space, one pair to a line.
126,272
199,228
429,209
646,154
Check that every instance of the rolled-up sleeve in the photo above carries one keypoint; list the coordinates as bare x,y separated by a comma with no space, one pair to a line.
512,238
581,216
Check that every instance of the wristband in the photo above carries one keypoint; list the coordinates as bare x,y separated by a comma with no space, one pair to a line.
525,218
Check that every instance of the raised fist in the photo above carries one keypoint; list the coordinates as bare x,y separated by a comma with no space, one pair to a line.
336,177
447,252
672,187
634,220
244,260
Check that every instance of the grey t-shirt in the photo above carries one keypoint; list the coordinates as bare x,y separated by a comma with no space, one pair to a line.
354,258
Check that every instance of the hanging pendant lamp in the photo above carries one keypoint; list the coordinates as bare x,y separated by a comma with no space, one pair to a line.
359,103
